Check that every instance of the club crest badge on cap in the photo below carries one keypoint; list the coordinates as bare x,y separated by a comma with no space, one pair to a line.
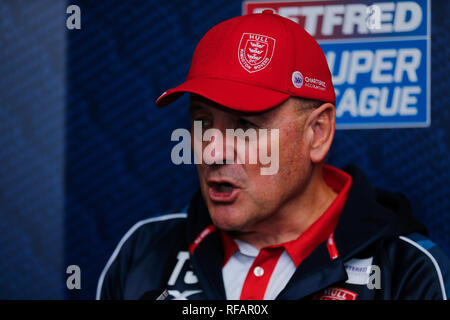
255,51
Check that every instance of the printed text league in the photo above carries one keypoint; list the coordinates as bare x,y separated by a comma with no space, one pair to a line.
384,80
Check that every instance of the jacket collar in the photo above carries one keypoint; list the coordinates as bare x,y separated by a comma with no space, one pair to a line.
365,219
316,272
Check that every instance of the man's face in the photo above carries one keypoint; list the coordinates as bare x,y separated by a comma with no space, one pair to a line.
238,196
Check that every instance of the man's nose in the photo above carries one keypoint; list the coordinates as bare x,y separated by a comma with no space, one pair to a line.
217,148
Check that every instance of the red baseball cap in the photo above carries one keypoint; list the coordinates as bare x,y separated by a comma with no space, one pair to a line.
255,62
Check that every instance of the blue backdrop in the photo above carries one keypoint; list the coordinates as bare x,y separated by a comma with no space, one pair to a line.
85,154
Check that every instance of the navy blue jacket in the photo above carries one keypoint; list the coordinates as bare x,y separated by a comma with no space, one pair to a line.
383,254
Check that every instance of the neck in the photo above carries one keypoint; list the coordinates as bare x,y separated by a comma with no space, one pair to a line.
296,215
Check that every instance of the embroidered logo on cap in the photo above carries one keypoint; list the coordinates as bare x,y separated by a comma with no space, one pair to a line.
255,51
297,79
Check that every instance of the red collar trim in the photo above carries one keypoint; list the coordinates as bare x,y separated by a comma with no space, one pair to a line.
321,230
205,232
229,247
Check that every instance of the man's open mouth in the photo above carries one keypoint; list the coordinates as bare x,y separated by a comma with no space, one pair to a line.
222,191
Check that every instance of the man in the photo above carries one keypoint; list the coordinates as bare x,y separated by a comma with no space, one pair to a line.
305,230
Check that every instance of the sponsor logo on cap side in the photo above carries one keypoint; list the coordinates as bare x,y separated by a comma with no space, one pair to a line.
297,79
315,83
255,51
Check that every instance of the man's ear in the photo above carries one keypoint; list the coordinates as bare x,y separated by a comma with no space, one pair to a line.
320,127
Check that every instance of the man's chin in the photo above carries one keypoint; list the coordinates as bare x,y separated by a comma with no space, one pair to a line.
227,218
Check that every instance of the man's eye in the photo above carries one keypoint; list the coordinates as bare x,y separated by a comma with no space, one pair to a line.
205,122
243,123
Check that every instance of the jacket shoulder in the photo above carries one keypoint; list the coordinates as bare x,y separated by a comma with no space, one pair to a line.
137,242
419,268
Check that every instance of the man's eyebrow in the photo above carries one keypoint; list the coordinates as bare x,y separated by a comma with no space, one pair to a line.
195,107
263,116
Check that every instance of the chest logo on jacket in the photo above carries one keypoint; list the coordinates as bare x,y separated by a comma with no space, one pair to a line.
183,283
335,293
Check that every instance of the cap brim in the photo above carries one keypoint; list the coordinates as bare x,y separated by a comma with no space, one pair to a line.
230,94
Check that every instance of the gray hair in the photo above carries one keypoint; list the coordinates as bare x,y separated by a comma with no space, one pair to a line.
306,104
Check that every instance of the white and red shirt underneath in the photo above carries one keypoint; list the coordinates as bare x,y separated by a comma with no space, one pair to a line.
252,274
